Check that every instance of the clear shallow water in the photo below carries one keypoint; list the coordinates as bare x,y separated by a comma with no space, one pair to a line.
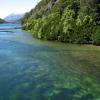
32,69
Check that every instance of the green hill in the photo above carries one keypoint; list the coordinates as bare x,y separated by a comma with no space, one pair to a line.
71,21
1,21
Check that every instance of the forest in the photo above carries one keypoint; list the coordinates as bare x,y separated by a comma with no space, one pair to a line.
70,21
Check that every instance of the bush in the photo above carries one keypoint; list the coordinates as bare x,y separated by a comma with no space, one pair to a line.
96,38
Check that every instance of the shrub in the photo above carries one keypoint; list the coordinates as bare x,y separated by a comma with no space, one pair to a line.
96,37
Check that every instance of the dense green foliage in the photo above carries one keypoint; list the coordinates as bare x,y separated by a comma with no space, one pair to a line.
65,20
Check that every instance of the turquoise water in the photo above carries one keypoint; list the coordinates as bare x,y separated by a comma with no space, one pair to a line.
32,69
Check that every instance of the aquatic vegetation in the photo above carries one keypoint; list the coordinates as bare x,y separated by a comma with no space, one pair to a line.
32,69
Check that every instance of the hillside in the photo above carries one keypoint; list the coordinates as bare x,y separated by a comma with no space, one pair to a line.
13,17
1,21
68,21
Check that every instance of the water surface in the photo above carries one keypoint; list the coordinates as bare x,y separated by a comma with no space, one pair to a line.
32,69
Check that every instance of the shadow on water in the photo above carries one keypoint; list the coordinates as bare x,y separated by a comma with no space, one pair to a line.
35,70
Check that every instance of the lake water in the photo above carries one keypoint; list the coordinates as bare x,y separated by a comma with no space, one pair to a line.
32,69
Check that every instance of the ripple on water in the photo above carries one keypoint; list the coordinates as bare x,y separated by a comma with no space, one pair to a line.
46,71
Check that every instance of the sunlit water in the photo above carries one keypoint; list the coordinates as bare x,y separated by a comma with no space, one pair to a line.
32,69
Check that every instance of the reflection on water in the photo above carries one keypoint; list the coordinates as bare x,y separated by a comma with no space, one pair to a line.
31,69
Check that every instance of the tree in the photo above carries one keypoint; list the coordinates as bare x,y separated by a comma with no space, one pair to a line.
85,28
96,37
